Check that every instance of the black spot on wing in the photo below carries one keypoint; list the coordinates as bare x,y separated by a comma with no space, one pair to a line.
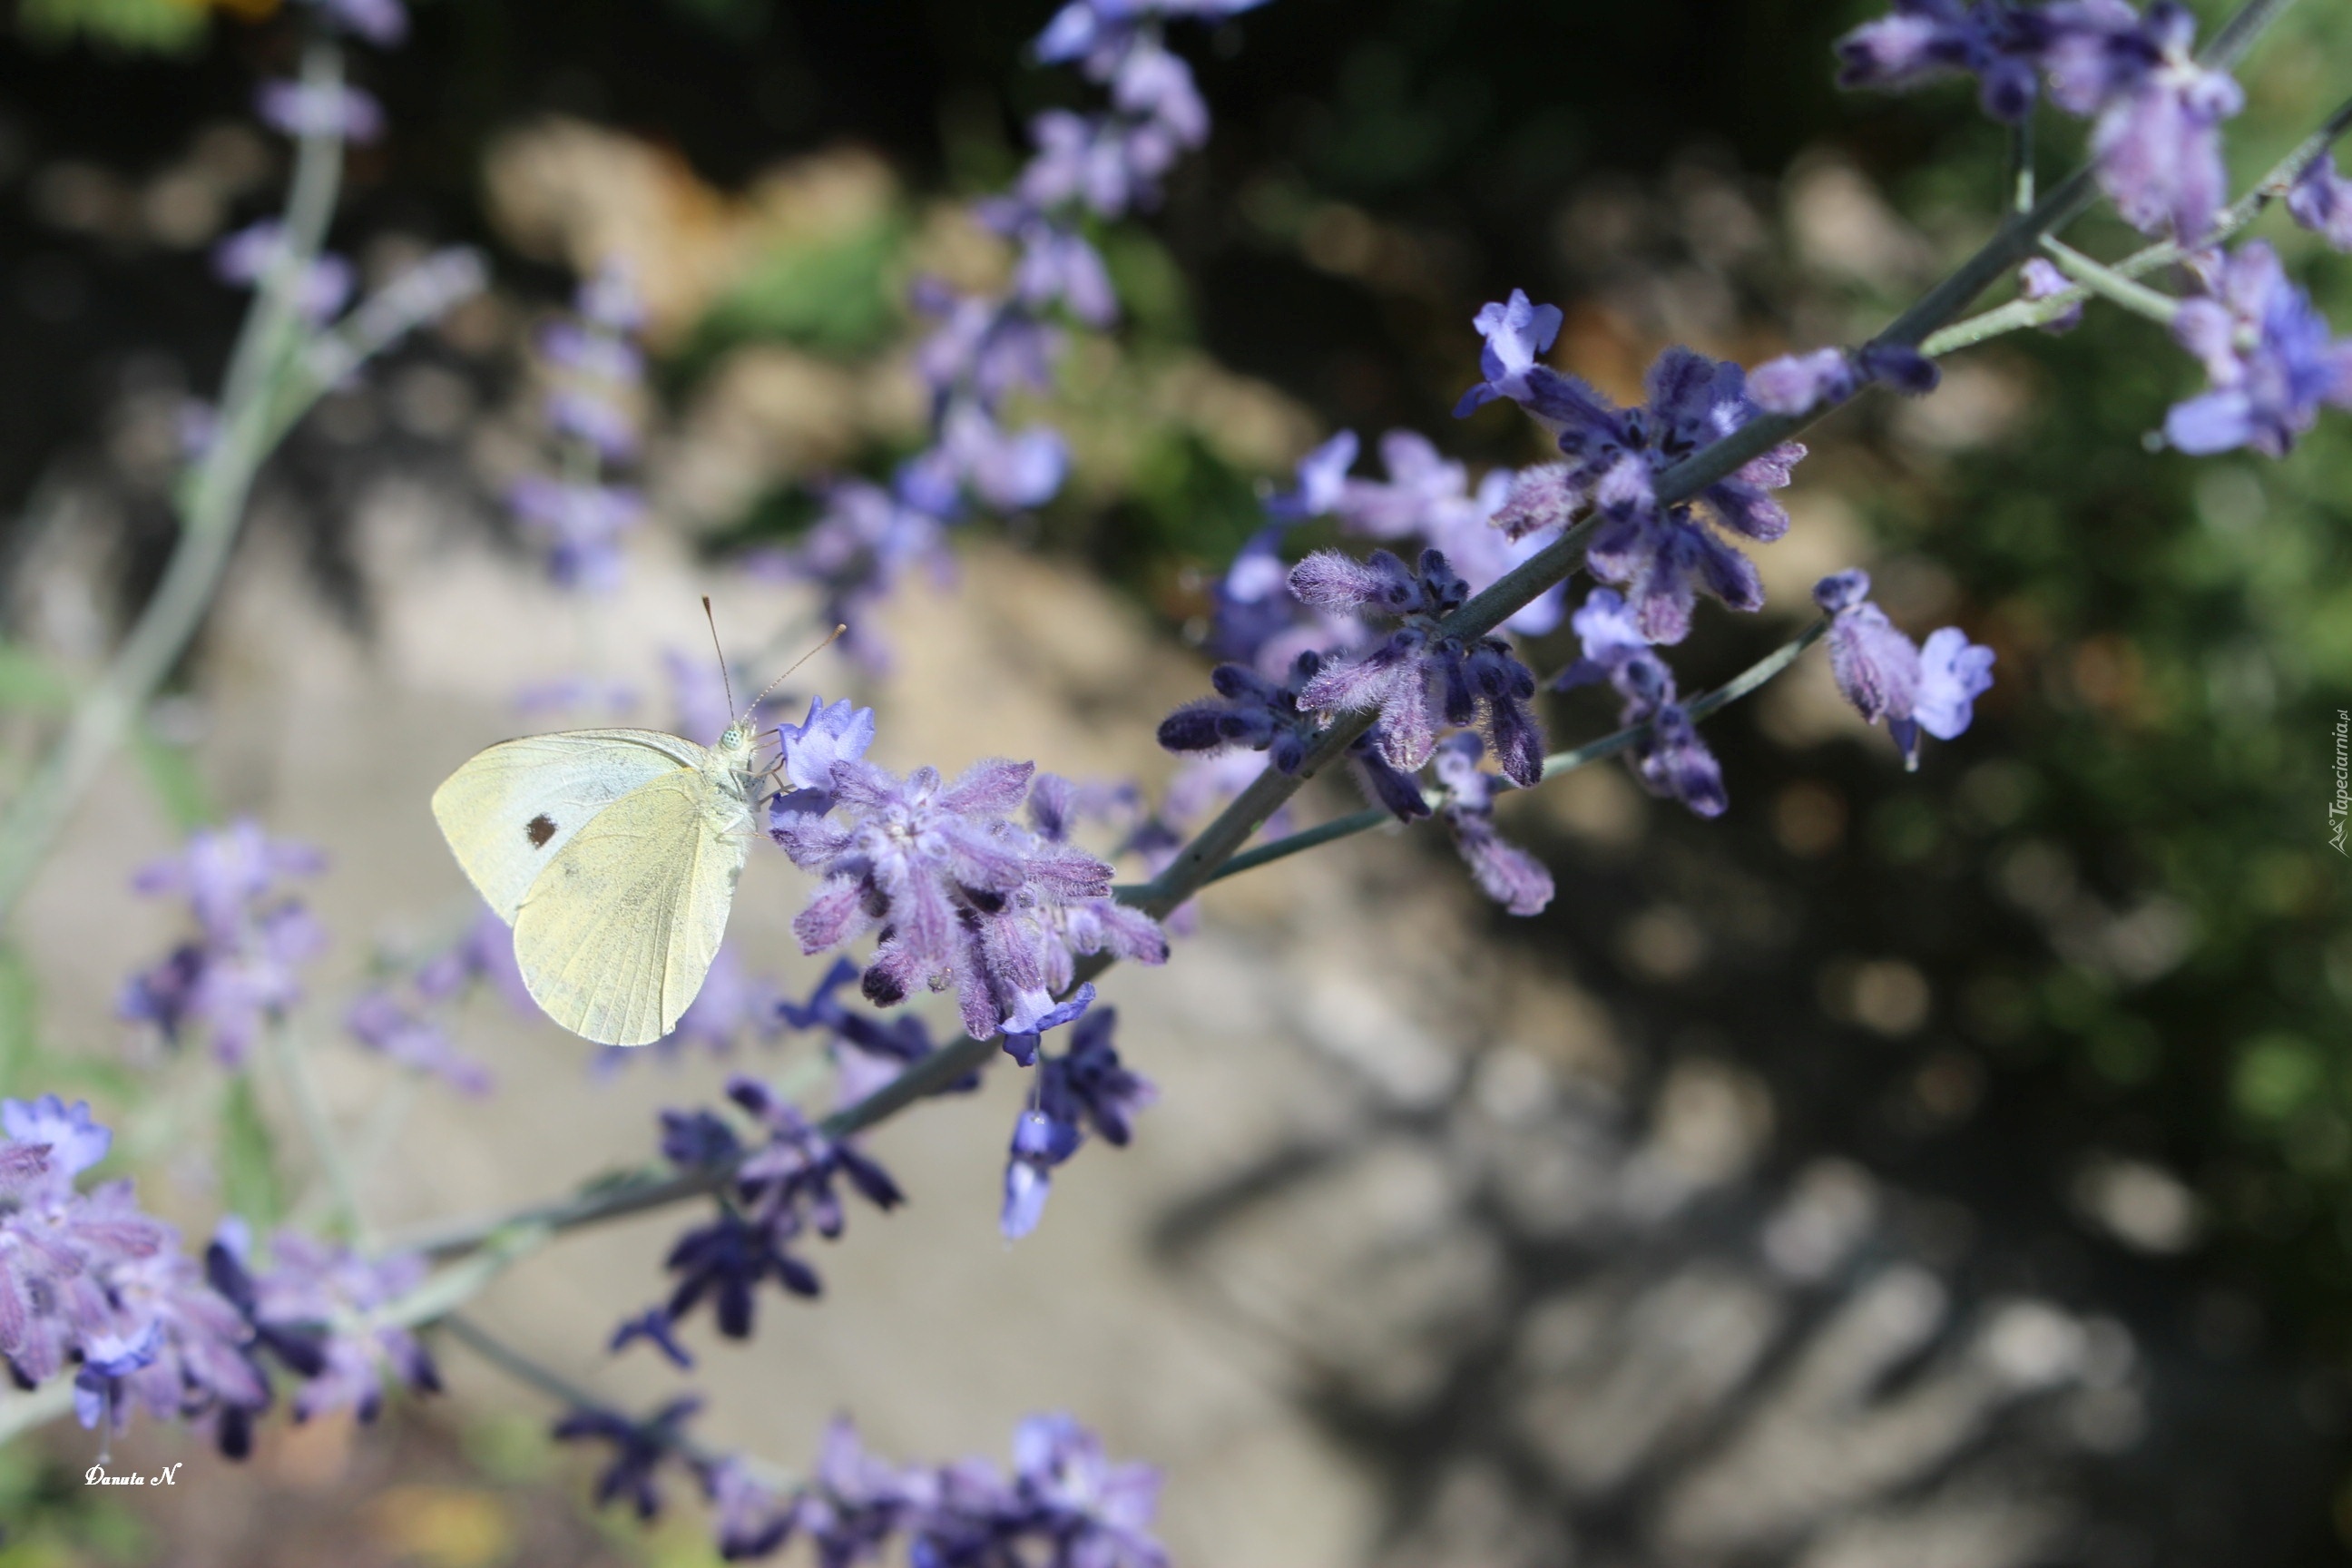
539,830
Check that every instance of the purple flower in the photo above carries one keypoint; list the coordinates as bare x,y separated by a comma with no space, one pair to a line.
1097,1513
2157,113
1517,331
244,258
1875,666
1085,1087
581,525
867,1052
1671,760
1090,29
1058,265
753,1519
2000,43
1421,676
1663,556
2040,278
1007,471
654,1326
2321,201
486,952
961,894
304,110
855,553
638,1449
981,346
2266,391
854,1501
1322,481
71,1141
334,1294
378,1021
380,22
782,1187
1505,872
1886,678
227,873
1798,384
1251,712
241,969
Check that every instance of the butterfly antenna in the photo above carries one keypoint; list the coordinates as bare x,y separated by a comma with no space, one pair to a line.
837,633
725,684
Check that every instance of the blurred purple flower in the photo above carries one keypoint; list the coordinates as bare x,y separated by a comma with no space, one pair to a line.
378,1021
580,525
305,109
244,258
243,967
2321,201
381,22
2040,278
638,1449
2267,353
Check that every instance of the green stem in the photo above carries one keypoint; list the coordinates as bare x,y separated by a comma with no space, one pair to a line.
212,506
2109,284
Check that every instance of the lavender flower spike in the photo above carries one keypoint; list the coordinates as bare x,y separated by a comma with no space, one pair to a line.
1506,873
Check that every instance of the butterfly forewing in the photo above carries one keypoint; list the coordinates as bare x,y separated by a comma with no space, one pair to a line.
616,934
514,808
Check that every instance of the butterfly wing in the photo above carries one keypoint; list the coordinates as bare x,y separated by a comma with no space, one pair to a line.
512,809
615,936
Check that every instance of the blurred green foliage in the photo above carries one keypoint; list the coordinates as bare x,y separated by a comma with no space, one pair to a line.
146,26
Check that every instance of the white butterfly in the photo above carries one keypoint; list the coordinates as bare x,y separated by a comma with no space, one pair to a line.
614,854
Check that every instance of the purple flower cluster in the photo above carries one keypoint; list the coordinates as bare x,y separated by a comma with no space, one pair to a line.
1670,760
2321,201
2267,353
2155,114
1661,555
400,1023
964,898
244,258
1426,498
1084,1088
776,1190
304,110
1421,676
1911,689
241,968
322,1309
580,517
1064,1502
985,347
88,1280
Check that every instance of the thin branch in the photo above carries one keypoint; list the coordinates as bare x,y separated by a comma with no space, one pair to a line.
2022,313
2111,285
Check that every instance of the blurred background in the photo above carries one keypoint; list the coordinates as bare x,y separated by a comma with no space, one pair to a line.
1945,1168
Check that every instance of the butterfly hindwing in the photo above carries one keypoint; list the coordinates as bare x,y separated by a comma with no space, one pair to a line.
514,806
617,932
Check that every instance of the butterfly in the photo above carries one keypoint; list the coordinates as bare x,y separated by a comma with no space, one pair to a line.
615,856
